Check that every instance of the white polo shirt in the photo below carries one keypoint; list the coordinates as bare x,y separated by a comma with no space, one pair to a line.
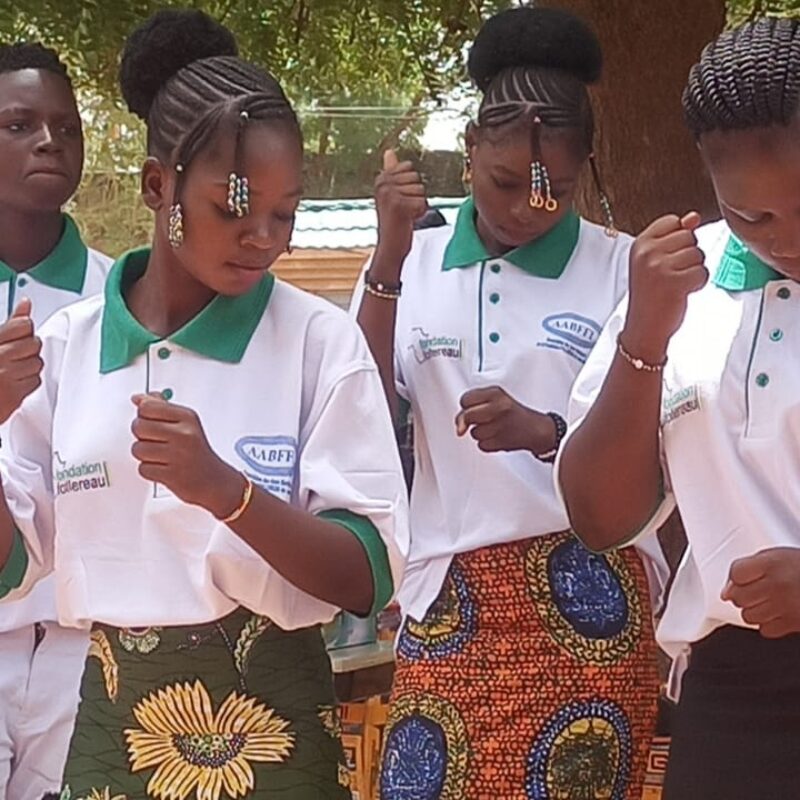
730,428
286,391
70,272
525,322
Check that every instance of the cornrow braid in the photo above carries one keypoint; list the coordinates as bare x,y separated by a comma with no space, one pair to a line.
556,97
233,94
220,89
748,78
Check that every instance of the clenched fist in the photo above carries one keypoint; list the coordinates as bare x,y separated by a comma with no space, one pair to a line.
666,266
499,422
172,449
20,360
400,201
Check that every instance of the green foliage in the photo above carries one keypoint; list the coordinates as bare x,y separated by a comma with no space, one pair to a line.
740,11
329,54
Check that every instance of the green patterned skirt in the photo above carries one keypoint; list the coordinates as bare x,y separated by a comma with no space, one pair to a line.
233,709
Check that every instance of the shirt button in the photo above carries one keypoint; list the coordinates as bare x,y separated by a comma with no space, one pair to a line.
494,338
762,379
784,293
776,335
167,394
22,282
163,353
494,297
495,268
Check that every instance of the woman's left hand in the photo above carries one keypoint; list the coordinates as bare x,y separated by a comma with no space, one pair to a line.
499,422
172,449
766,587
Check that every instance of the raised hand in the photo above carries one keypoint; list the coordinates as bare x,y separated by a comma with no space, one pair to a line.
20,359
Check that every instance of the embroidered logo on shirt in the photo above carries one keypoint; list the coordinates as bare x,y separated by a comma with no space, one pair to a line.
79,477
270,462
676,404
427,347
571,333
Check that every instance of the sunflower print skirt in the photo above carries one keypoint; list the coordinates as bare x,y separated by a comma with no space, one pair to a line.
233,709
532,677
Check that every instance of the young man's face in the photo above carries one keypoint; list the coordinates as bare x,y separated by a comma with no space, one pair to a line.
41,141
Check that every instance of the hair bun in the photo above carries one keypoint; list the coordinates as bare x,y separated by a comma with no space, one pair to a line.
534,37
168,41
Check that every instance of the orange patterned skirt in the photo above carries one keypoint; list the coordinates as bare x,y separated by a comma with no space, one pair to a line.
532,677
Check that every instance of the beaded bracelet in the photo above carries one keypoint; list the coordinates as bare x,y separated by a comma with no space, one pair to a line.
561,431
385,291
369,289
637,363
247,496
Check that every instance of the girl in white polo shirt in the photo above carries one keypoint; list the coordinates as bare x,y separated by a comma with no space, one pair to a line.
691,399
526,666
208,467
44,265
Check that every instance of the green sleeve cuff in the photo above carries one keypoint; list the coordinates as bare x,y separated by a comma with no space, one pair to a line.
366,533
13,572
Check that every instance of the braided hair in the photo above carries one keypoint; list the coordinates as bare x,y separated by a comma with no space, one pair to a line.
31,55
748,78
536,63
180,72
533,66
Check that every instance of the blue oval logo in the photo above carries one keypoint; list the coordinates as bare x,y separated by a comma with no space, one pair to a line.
579,331
268,455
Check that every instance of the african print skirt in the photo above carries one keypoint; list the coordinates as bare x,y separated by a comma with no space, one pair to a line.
532,677
233,709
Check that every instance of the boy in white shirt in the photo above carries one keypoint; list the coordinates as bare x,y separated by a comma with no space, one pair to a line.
44,266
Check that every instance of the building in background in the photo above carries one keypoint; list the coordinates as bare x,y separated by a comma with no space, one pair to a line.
332,240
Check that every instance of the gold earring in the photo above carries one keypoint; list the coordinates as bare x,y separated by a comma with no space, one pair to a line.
175,227
466,177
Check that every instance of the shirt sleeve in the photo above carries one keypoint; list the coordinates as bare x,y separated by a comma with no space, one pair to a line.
26,473
585,391
351,473
355,305
347,472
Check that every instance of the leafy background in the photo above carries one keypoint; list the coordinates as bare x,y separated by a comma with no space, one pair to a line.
365,75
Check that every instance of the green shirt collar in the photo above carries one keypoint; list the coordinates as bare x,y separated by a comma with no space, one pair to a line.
65,266
740,270
545,257
222,330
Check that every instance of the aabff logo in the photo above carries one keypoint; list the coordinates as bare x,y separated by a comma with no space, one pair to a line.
579,331
268,455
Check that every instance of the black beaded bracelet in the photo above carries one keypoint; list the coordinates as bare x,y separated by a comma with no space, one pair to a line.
561,431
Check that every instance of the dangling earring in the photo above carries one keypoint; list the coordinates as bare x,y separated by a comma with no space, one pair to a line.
541,192
175,228
605,205
466,176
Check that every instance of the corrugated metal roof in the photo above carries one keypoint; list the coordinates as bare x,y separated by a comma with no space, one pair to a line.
345,224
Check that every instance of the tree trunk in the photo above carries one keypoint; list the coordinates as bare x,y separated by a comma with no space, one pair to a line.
648,160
